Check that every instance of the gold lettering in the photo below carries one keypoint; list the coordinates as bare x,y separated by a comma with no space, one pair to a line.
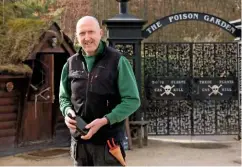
178,89
205,82
226,82
226,89
158,90
206,90
178,82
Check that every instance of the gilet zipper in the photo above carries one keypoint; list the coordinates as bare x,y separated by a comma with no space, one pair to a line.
87,87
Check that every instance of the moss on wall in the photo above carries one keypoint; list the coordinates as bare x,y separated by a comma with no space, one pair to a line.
22,25
18,38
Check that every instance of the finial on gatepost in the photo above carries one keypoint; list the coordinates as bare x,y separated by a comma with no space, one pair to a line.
123,6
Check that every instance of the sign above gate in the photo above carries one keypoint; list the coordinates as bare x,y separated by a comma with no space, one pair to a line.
185,16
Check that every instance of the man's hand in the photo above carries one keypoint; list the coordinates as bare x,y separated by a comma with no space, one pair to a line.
94,126
70,123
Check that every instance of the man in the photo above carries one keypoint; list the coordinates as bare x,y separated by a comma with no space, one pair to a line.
99,85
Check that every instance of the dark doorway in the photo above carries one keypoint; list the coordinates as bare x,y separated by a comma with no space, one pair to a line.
59,128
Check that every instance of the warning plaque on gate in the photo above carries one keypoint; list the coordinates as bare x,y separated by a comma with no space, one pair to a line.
216,88
167,88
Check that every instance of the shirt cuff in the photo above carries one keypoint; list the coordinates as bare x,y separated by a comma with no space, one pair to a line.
66,109
107,119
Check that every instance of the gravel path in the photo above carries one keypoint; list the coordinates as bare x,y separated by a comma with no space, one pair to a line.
156,153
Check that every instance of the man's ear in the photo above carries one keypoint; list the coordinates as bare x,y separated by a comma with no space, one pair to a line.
101,32
76,34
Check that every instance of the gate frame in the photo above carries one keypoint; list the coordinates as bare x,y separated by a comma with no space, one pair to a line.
127,29
192,97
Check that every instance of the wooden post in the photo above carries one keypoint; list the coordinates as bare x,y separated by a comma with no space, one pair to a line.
128,133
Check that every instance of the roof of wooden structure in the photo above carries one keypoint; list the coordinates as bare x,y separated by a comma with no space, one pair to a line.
54,40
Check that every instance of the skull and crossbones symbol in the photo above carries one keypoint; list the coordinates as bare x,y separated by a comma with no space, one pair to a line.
215,90
167,90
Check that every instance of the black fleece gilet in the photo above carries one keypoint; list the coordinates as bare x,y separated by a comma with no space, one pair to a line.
94,94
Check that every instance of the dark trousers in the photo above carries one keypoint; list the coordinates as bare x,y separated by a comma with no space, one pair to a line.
88,154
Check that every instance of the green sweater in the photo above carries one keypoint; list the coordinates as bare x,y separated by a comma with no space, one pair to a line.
130,100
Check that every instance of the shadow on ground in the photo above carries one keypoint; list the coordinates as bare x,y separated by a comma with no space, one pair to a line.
45,154
204,145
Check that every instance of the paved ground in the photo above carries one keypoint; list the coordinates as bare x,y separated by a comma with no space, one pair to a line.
160,151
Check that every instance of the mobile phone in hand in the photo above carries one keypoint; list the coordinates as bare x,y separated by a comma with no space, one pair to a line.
80,125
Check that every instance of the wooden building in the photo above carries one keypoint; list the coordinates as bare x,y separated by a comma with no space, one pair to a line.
29,105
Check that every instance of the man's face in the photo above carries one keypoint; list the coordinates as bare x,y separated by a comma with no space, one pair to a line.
89,35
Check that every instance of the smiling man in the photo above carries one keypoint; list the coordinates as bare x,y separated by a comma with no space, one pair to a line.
97,84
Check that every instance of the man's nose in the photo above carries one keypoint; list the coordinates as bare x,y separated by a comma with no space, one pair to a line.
87,36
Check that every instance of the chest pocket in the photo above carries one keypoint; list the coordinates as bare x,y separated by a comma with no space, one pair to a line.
76,74
78,80
102,80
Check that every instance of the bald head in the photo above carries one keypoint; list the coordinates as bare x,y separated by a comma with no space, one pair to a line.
88,34
88,19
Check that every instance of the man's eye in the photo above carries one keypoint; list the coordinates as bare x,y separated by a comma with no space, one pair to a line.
81,33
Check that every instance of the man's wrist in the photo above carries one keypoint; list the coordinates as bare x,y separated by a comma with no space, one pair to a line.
105,120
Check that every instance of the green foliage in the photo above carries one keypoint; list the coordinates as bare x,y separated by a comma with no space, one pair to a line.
29,7
77,47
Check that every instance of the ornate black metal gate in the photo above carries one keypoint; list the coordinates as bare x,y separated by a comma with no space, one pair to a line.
191,88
